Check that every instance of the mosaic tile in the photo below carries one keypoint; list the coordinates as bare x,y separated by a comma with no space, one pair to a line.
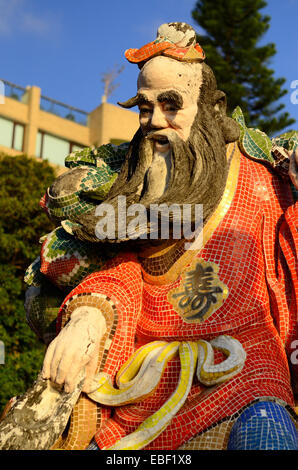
263,426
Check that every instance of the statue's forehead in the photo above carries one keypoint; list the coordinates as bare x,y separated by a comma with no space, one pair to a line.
162,73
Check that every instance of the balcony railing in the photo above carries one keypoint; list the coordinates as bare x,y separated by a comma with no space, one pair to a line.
47,104
14,91
63,110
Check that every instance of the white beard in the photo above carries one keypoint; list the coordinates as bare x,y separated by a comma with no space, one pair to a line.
158,174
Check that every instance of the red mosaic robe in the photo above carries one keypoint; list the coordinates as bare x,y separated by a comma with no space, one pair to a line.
257,236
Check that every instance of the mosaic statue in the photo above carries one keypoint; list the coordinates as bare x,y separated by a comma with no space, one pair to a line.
158,342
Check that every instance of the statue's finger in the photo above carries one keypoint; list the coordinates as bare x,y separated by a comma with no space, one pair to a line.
91,369
46,368
58,355
72,378
67,360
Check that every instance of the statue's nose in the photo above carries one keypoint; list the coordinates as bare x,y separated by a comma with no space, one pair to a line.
158,120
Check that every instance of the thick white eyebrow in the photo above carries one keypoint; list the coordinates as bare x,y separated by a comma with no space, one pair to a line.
171,96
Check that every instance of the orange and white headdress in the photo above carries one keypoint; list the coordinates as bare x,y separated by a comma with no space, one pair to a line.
175,40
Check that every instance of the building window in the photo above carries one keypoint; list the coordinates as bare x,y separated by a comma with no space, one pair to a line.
11,134
54,149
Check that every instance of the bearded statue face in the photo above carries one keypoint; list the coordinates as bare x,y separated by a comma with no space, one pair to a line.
178,156
168,93
168,103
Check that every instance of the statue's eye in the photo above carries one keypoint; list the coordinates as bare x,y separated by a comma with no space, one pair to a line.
170,107
145,110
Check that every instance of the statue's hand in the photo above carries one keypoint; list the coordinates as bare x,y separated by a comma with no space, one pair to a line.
293,169
75,348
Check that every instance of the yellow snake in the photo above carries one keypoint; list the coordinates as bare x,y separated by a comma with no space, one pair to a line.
140,375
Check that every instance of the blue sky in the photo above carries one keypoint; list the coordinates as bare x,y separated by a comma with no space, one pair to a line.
64,46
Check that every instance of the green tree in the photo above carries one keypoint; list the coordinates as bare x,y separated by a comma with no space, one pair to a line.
233,29
23,181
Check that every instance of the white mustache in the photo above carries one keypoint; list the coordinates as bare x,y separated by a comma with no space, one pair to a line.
164,134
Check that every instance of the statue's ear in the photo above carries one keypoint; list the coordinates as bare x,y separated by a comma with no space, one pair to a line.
229,127
220,104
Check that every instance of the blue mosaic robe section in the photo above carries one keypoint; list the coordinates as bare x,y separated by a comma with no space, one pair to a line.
264,426
93,446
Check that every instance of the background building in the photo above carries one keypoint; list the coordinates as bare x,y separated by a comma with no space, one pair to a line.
39,126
